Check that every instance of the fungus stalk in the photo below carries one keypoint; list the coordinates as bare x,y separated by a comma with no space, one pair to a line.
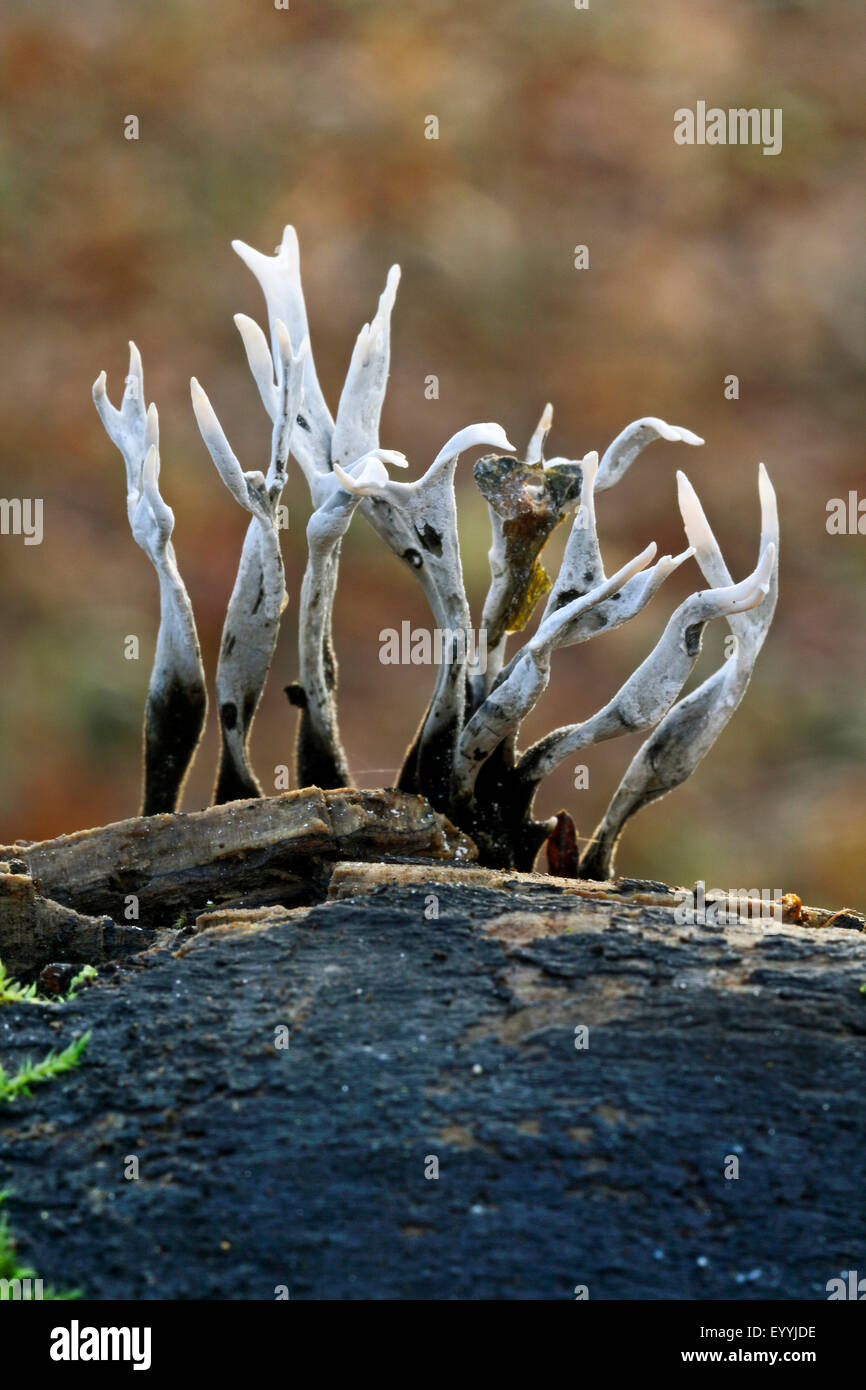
321,761
259,596
176,704
427,509
320,444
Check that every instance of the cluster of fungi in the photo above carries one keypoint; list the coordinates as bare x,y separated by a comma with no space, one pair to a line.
465,759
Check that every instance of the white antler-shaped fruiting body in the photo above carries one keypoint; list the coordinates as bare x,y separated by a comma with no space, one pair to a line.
752,629
535,447
347,453
261,364
321,761
259,595
280,279
427,509
650,691
621,454
176,701
369,475
690,728
356,431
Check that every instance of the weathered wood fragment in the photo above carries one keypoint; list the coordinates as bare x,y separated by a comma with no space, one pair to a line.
34,930
245,853
353,879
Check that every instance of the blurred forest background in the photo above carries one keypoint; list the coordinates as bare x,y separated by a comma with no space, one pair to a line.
556,129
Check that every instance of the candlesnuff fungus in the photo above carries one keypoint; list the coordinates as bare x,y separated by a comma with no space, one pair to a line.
428,508
320,758
176,700
465,758
259,595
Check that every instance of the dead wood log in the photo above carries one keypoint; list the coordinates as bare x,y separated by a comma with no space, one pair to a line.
532,1090
150,869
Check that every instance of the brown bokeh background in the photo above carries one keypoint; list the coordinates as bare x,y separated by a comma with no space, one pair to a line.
556,129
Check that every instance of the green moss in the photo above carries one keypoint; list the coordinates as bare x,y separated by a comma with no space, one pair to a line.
29,1073
11,992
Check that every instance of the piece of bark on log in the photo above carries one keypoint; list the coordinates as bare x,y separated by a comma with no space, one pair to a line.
34,931
350,879
248,853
